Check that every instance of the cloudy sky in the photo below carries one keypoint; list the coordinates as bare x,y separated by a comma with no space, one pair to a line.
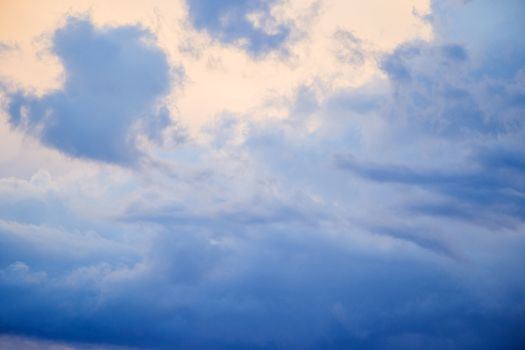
262,174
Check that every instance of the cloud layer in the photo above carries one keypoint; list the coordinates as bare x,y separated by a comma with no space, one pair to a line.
383,215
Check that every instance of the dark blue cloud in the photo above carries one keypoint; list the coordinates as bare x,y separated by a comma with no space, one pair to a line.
113,81
494,188
227,21
266,289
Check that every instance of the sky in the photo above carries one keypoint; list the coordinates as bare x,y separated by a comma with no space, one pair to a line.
250,174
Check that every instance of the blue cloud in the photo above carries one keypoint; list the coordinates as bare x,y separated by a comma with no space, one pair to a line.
227,21
487,29
264,290
197,295
114,79
394,64
490,189
415,241
455,52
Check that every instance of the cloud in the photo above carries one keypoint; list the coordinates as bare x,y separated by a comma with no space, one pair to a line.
114,80
489,39
5,47
387,215
485,191
217,284
248,24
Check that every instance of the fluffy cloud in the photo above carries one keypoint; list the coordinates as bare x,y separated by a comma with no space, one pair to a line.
114,79
249,24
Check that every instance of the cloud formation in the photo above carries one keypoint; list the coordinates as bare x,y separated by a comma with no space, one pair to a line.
385,215
114,80
248,24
